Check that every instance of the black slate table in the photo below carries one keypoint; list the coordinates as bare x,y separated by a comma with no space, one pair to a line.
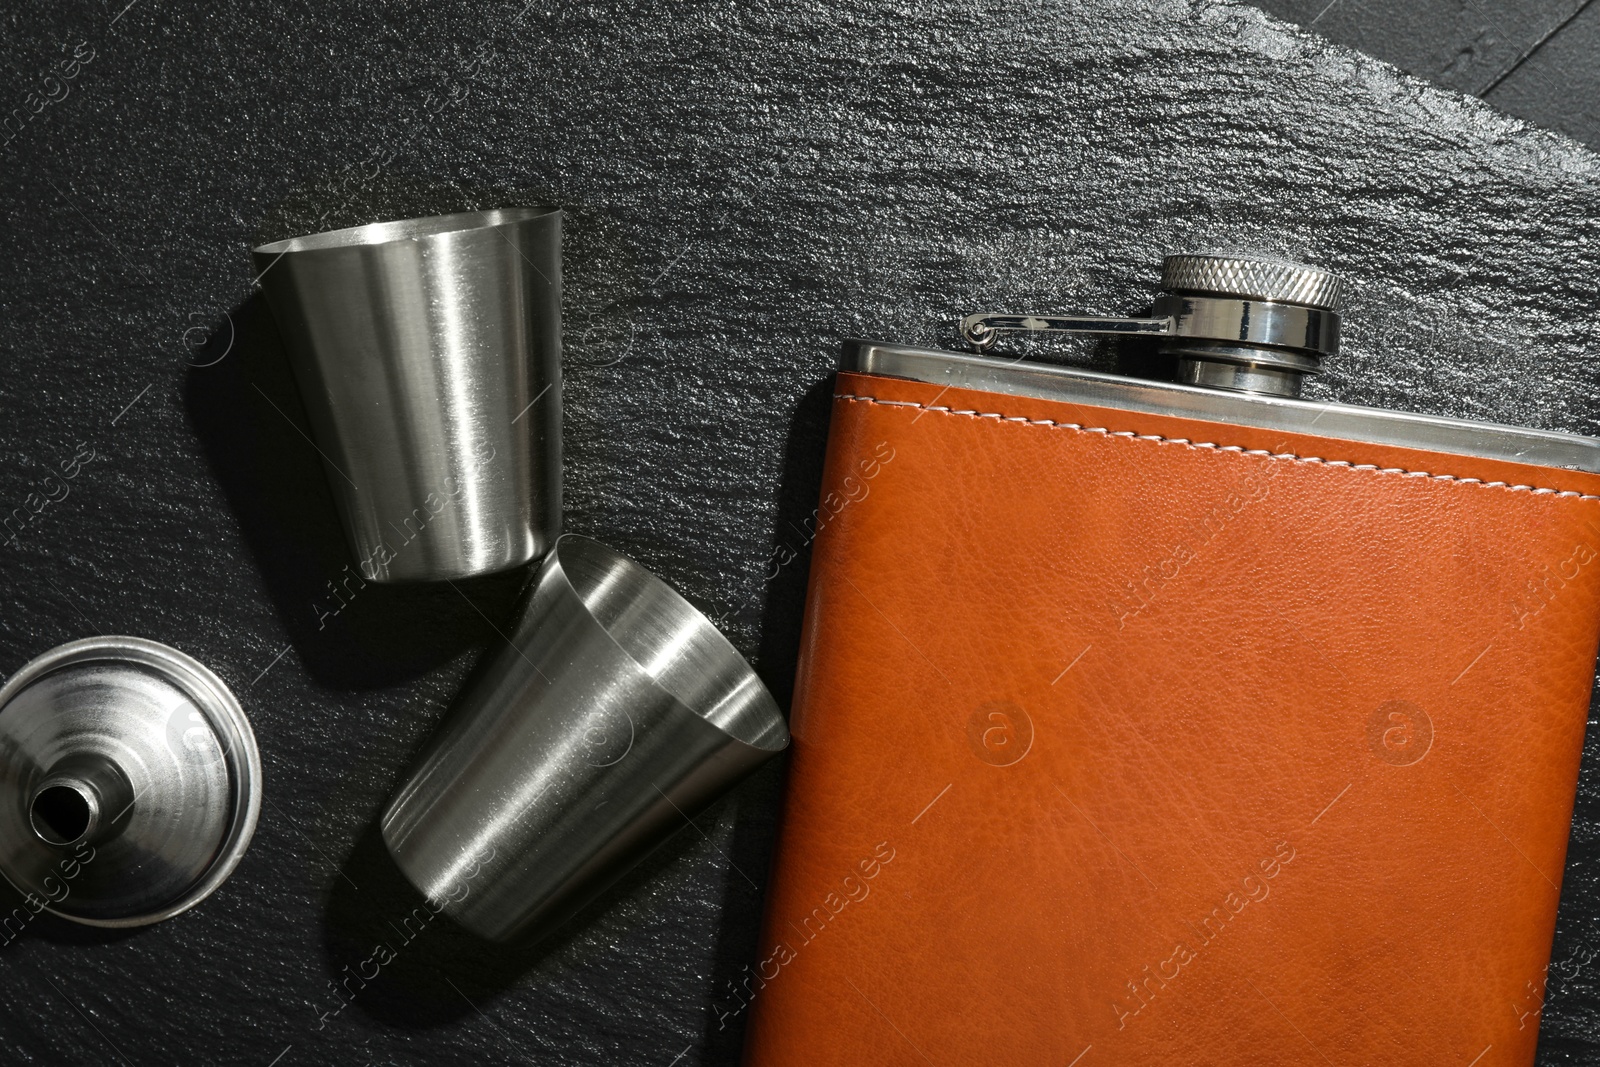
745,185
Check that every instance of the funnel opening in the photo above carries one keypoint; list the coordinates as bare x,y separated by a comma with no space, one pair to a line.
379,233
63,814
672,642
100,715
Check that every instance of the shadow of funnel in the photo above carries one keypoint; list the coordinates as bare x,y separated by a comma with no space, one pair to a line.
428,357
617,714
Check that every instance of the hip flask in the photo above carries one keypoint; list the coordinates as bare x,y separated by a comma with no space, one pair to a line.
1146,721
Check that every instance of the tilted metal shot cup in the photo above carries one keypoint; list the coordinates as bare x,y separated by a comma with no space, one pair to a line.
428,355
617,713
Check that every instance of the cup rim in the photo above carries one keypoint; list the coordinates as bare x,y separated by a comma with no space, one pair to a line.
372,234
768,703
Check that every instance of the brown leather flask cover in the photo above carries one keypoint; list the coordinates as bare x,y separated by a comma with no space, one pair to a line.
1134,739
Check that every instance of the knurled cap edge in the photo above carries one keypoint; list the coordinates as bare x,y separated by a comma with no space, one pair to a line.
1253,279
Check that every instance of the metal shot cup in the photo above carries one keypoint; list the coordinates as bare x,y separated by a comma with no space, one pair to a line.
428,355
618,712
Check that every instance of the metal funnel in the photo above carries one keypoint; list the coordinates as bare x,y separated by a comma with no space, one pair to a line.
130,783
428,355
617,713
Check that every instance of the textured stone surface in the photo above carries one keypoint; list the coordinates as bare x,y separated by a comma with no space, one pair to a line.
1559,84
745,186
1465,45
1533,58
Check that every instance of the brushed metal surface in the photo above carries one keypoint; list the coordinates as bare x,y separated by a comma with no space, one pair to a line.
428,353
617,712
159,769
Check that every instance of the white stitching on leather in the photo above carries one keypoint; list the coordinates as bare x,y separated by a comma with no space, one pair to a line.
1185,442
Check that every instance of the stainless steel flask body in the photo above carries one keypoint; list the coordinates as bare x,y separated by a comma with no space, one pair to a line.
428,355
618,713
